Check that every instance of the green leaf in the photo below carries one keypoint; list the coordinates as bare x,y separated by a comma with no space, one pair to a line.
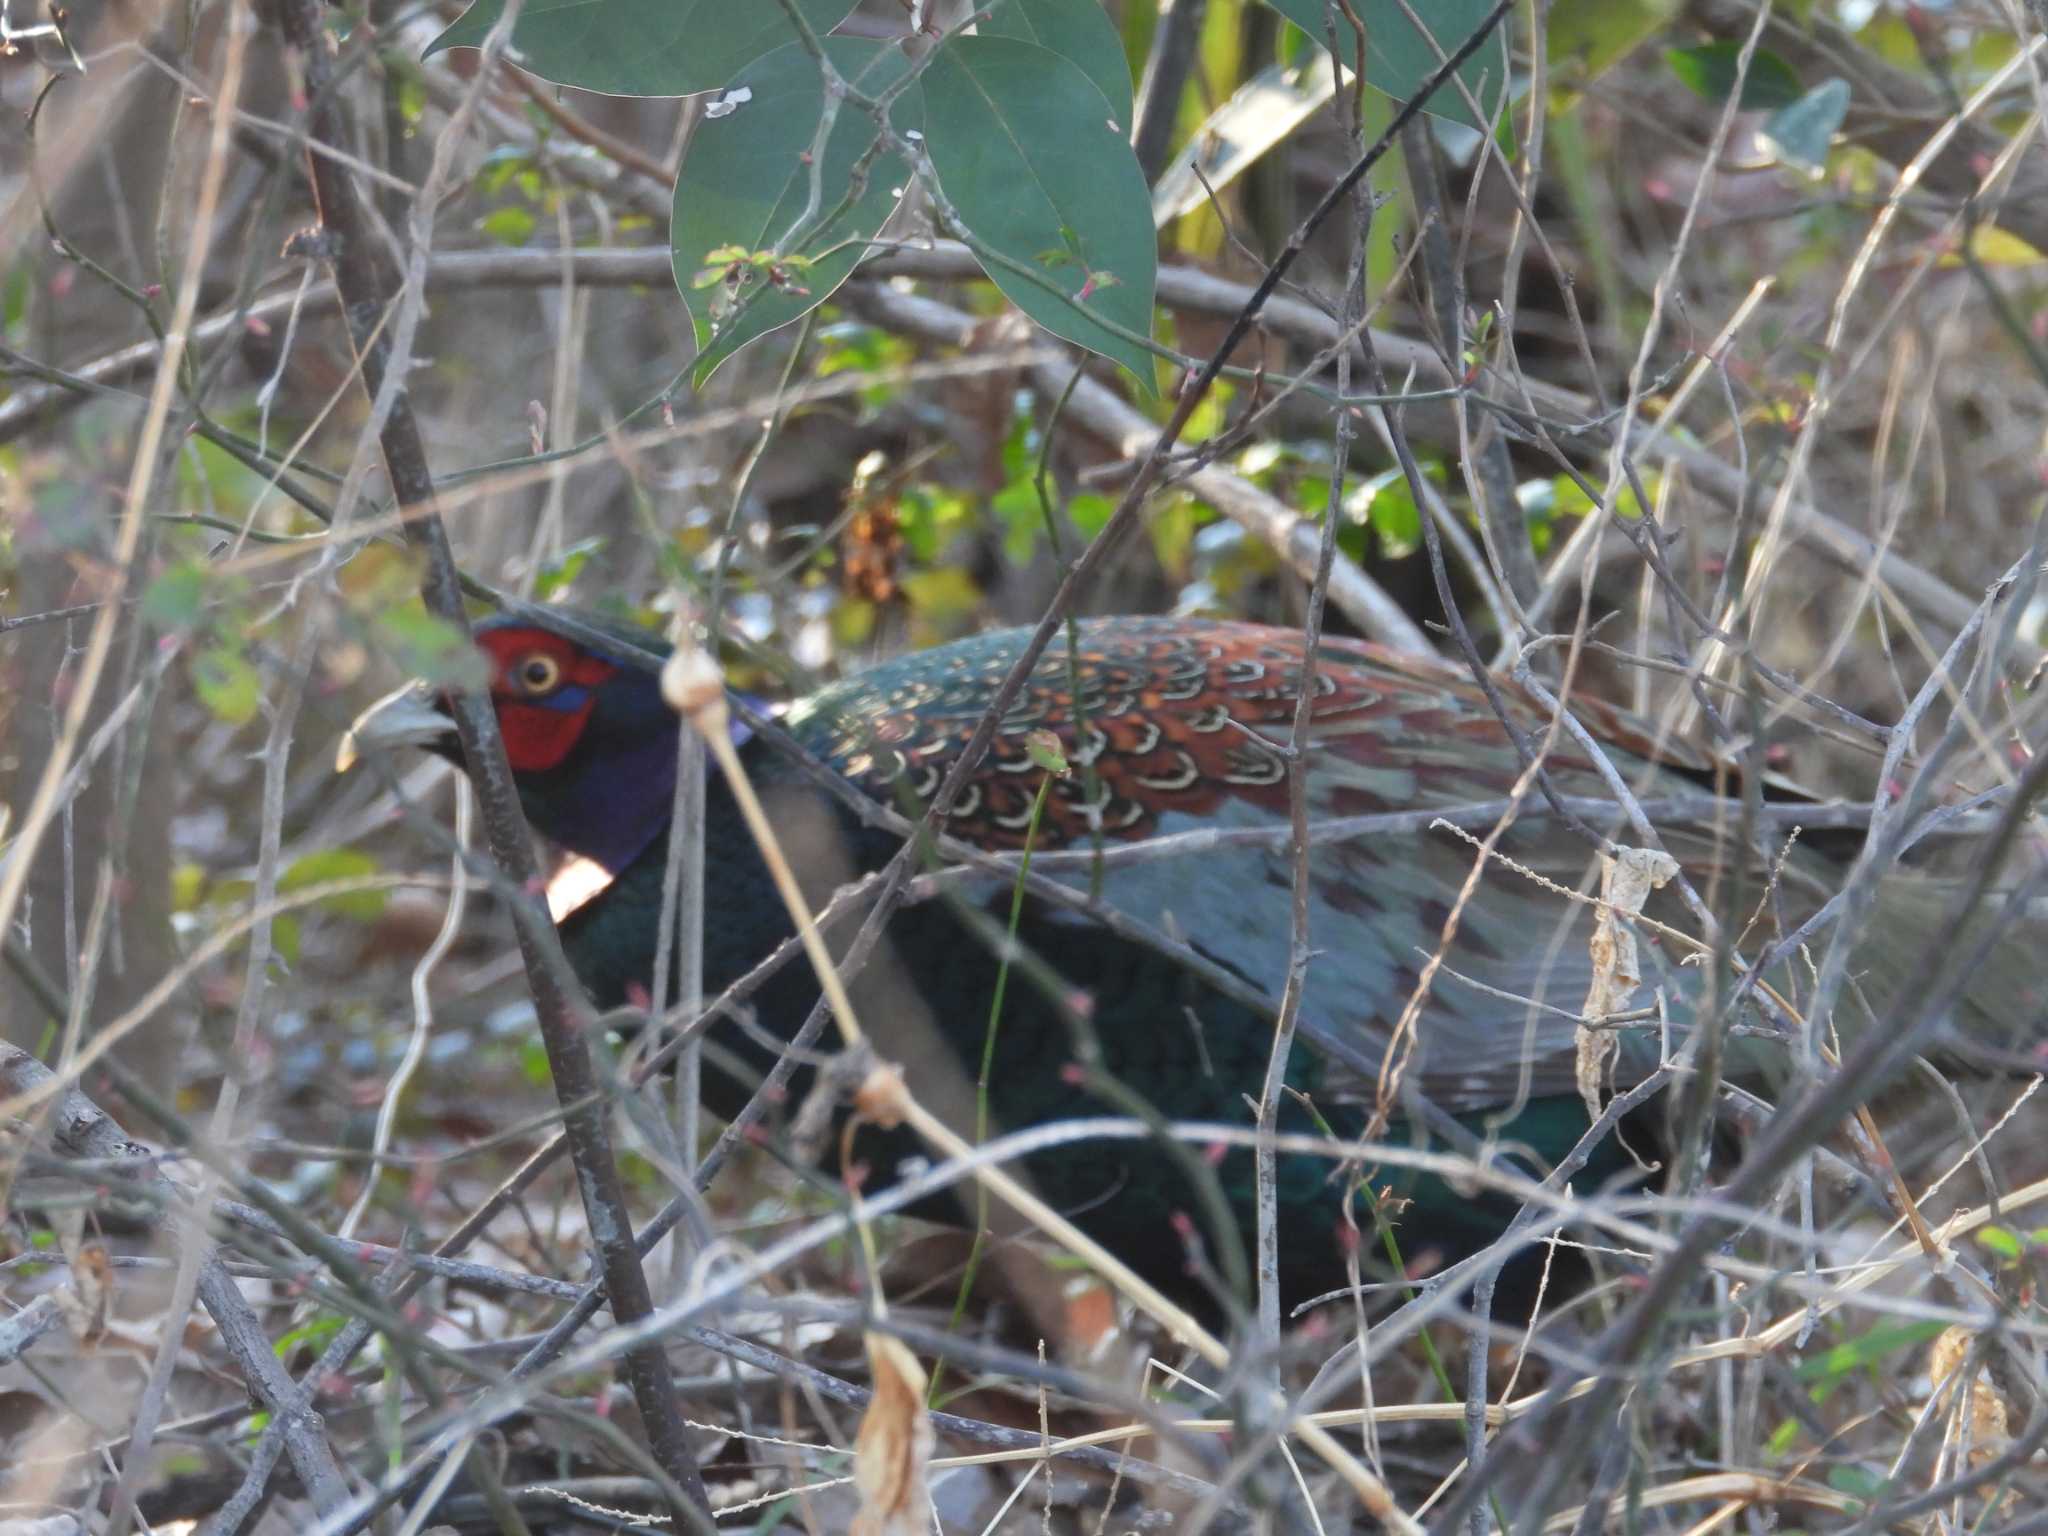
640,47
1865,1350
1012,125
1799,134
188,885
945,592
1709,71
174,600
1586,38
335,864
1399,57
1043,748
227,685
1994,247
1077,30
1090,513
1999,1241
1023,519
511,225
533,1063
314,1334
1389,506
746,185
565,568
932,515
14,296
430,648
1858,1482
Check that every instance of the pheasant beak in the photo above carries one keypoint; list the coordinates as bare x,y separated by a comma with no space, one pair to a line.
408,717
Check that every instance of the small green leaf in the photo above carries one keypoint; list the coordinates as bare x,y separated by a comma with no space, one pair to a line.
335,864
14,295
533,1063
510,225
1588,37
1858,1482
501,166
1090,513
188,885
314,1334
1999,1241
640,47
1399,58
174,600
1043,748
227,685
1396,520
1994,247
1865,1350
564,568
430,648
1016,504
941,594
1799,134
1709,71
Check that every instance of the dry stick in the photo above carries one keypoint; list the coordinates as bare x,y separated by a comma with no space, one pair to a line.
1764,555
1265,1162
358,1330
141,488
1180,289
681,916
195,1243
485,1277
200,1269
356,1295
367,288
83,1129
1786,1137
1023,1143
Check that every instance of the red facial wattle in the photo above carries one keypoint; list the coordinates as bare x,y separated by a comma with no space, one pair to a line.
539,736
541,724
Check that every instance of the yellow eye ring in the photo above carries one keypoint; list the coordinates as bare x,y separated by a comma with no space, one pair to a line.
537,674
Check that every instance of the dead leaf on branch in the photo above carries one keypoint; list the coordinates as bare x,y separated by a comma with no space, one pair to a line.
89,1301
1627,877
894,1446
1978,1417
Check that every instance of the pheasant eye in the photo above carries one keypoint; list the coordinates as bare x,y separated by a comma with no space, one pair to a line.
538,674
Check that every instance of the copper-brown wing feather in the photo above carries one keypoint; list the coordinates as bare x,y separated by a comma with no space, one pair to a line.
1180,728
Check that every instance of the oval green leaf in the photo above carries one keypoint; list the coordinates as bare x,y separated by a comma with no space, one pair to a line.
1079,31
1709,71
1799,134
639,47
745,186
1032,158
1399,56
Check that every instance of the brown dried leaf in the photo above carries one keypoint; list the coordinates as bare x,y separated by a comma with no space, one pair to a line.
90,1300
894,1445
1985,1429
881,1096
1626,880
